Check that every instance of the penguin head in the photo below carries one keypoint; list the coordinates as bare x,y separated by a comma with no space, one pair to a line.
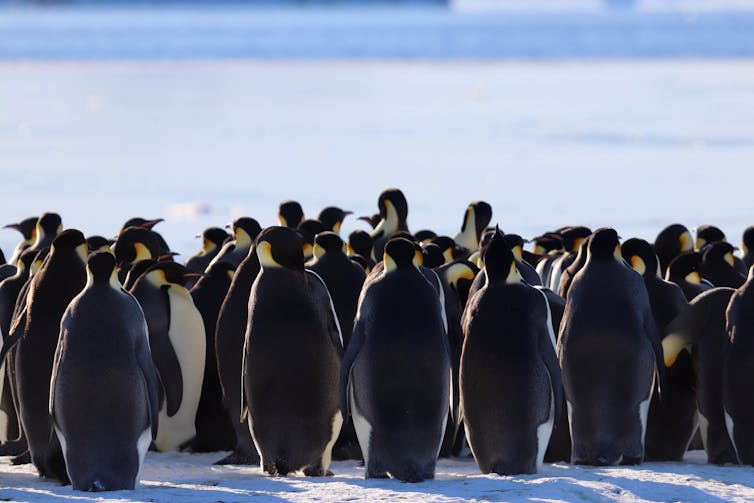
372,220
49,224
332,217
478,214
27,227
38,261
718,252
546,243
447,246
163,273
393,200
516,244
433,256
363,262
674,237
308,230
97,243
361,243
245,231
605,243
707,234
641,257
401,253
459,276
425,236
135,244
499,261
574,236
747,243
137,270
71,241
279,247
686,266
140,222
25,259
100,270
212,238
290,214
327,241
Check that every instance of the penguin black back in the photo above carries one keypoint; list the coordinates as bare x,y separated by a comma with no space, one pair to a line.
718,265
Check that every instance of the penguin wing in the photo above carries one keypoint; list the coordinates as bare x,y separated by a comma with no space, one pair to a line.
59,350
163,354
15,334
547,348
352,352
149,374
650,329
319,288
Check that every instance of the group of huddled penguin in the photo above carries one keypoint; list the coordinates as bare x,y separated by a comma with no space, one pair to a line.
288,346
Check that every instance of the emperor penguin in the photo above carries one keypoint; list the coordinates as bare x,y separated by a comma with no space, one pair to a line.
610,353
395,378
133,245
104,391
671,242
143,223
28,229
476,218
508,358
213,239
290,214
393,213
332,218
177,339
718,265
35,336
291,360
245,230
684,271
48,226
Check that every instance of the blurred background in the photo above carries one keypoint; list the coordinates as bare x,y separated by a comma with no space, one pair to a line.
629,113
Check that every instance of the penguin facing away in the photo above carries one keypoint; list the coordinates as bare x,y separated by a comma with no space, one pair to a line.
684,272
395,378
103,352
292,332
671,242
609,353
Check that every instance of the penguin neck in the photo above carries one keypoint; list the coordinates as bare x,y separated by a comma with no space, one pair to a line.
110,281
389,224
467,237
208,248
511,276
243,240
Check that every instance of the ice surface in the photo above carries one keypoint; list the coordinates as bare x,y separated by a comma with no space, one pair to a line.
172,477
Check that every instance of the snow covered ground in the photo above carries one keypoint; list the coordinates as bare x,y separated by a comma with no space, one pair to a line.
173,477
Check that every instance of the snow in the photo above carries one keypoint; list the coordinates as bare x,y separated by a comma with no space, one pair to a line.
182,477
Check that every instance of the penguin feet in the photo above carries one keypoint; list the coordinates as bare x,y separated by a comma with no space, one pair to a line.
317,471
13,448
21,459
632,460
239,458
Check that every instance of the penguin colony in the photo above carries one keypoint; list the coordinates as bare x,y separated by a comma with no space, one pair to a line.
289,346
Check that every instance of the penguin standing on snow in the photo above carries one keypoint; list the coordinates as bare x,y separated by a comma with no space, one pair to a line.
103,352
292,357
395,378
508,358
177,339
609,352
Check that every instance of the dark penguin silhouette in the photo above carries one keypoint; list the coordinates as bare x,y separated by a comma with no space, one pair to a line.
290,214
718,265
48,226
393,213
395,378
476,218
671,242
332,218
104,391
61,278
508,358
213,239
229,341
672,421
684,272
98,243
133,245
28,229
308,229
738,373
214,431
566,277
747,247
245,230
292,356
609,353
143,223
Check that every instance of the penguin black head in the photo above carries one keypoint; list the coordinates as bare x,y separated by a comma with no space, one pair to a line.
605,243
246,230
499,261
49,224
546,243
433,256
717,252
135,244
100,269
220,269
172,272
141,222
393,198
671,242
97,243
280,247
290,214
361,243
747,243
136,271
447,245
574,236
487,235
707,234
214,237
71,240
401,253
308,230
641,257
327,242
482,213
26,258
686,265
332,217
27,227
516,244
425,236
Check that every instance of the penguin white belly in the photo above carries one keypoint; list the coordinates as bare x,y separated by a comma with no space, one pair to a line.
337,423
141,447
703,428
362,427
544,431
187,337
729,426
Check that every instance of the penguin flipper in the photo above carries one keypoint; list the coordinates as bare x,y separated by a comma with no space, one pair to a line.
654,338
336,335
15,334
149,374
354,346
166,361
55,364
547,349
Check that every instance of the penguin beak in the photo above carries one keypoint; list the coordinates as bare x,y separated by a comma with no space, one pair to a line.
151,223
365,219
167,256
193,275
227,226
15,227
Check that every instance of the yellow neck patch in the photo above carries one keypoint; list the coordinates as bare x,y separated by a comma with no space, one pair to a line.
142,252
729,259
686,241
693,277
457,272
264,253
638,264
